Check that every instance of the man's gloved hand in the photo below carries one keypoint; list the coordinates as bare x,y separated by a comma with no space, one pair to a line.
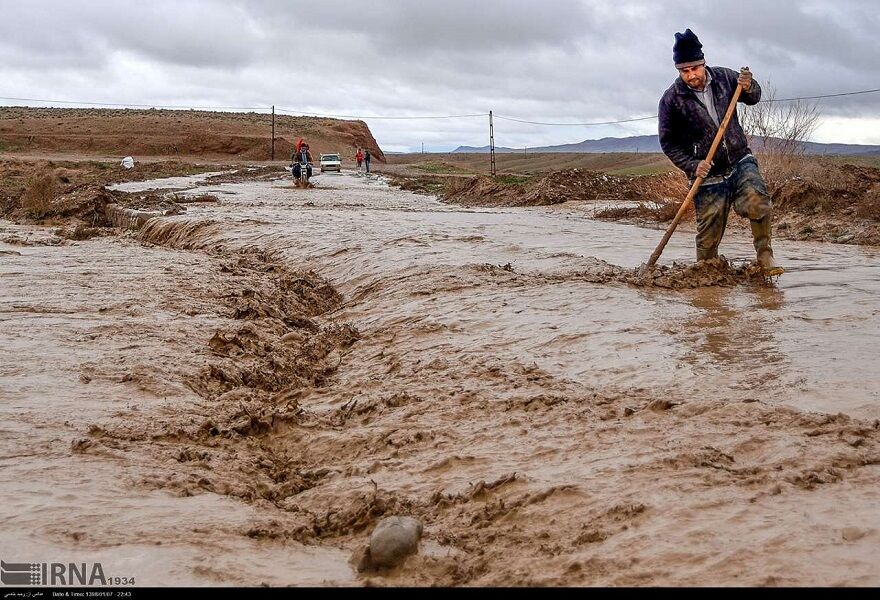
745,79
703,169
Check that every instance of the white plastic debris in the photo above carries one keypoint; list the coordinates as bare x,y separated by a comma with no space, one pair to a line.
128,162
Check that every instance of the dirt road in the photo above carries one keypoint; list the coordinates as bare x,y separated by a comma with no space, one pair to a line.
239,395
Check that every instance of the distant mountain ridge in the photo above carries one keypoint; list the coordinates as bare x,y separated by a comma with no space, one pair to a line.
651,143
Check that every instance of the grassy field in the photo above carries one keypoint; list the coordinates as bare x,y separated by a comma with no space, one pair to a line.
862,161
618,163
532,164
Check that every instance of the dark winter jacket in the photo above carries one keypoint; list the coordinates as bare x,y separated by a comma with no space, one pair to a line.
687,130
298,157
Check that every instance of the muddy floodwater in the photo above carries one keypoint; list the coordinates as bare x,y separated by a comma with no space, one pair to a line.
810,340
235,396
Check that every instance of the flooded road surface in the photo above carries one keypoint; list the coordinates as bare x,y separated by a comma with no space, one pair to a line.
470,368
809,341
105,329
166,183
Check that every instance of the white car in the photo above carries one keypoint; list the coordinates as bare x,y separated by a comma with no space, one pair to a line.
331,162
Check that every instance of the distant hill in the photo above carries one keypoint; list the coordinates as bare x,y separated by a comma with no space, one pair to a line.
178,133
651,143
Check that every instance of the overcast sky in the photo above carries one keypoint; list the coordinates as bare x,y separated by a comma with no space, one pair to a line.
553,60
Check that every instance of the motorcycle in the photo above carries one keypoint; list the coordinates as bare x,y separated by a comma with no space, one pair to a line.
302,172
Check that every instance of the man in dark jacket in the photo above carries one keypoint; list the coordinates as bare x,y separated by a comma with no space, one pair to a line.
302,156
690,113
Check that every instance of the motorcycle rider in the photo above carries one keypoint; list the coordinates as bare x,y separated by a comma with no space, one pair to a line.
301,157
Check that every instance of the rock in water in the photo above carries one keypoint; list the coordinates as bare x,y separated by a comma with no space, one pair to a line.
393,540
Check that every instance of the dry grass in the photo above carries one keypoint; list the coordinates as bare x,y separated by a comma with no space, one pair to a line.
613,163
37,200
870,207
182,199
660,211
820,186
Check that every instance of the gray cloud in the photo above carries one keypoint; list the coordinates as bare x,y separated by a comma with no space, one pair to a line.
557,61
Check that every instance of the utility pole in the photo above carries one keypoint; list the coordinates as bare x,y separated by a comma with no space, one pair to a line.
423,147
492,143
273,132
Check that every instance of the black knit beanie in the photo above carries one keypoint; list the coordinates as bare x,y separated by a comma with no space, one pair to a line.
687,48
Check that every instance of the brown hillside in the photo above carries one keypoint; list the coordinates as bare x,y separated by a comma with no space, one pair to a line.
176,133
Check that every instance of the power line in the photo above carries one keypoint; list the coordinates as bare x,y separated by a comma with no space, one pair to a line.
824,96
361,117
655,116
574,124
407,117
266,108
137,105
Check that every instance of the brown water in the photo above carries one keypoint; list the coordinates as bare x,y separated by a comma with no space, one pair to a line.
106,329
547,428
808,341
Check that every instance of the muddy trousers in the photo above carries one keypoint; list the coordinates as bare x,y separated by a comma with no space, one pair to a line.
745,191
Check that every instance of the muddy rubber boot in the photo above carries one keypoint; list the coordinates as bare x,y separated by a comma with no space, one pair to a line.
703,254
761,234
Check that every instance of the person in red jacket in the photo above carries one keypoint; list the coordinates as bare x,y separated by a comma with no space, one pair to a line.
359,157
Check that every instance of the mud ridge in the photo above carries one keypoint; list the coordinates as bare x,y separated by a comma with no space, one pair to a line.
715,272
